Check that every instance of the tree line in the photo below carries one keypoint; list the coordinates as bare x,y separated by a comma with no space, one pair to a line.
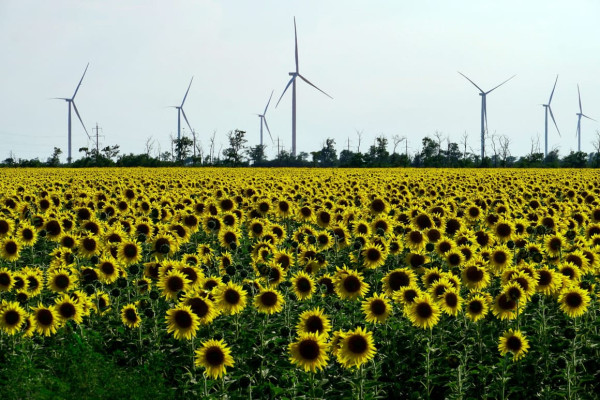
435,152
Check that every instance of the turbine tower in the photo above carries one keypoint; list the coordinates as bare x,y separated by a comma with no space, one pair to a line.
484,110
549,109
579,115
264,119
292,82
71,104
180,112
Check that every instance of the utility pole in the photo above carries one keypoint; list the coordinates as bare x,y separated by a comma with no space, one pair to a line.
348,144
277,146
97,144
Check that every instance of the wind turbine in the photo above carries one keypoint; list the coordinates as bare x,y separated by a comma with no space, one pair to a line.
549,109
292,82
484,110
71,102
264,119
579,115
180,111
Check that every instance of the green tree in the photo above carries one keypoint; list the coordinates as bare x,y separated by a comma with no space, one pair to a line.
233,154
54,159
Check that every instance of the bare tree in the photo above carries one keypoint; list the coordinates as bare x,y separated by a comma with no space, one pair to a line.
465,138
596,142
172,140
212,146
504,143
360,136
494,146
149,145
439,136
397,139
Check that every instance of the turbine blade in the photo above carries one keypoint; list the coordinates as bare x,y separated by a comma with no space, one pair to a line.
296,43
553,120
186,92
471,81
80,120
485,115
501,84
583,115
579,94
186,120
81,80
286,88
269,102
59,98
552,94
307,81
268,130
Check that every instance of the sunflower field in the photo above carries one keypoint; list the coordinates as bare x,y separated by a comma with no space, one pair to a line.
299,283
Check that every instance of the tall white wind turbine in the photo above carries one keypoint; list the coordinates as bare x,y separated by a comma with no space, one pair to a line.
579,115
71,102
484,110
292,82
180,112
549,109
264,119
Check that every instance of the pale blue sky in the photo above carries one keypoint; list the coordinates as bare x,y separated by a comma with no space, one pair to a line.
389,65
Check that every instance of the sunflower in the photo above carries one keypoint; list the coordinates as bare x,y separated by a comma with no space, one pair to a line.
12,317
129,252
451,302
574,301
424,312
396,279
406,295
505,306
164,245
444,245
477,307
100,302
202,306
35,280
68,309
130,316
214,356
172,283
554,244
309,352
373,256
526,282
504,230
182,321
350,284
7,226
274,275
377,308
108,270
192,273
88,246
269,301
500,258
431,276
355,348
68,241
548,282
229,238
570,271
475,277
415,240
515,342
231,298
28,327
47,320
303,285
10,249
61,280
6,280
284,259
211,282
27,234
314,321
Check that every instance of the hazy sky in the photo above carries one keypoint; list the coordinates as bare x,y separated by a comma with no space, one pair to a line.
390,66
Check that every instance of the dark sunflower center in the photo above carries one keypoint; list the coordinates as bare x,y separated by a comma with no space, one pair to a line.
67,310
362,228
568,272
62,281
284,206
439,290
230,237
500,257
27,234
398,279
107,268
183,319
378,205
214,356
378,307
4,279
423,222
523,283
432,278
89,244
454,259
11,247
131,315
4,227
409,295
325,217
573,300
12,317
424,310
352,284
503,230
198,306
474,274
175,284
506,303
373,255
190,273
303,285
162,245
68,242
314,324
232,296
445,247
452,225
417,260
45,317
513,344
53,228
555,244
357,344
475,307
451,299
257,228
545,278
575,260
210,284
33,282
130,250
415,237
268,299
309,349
